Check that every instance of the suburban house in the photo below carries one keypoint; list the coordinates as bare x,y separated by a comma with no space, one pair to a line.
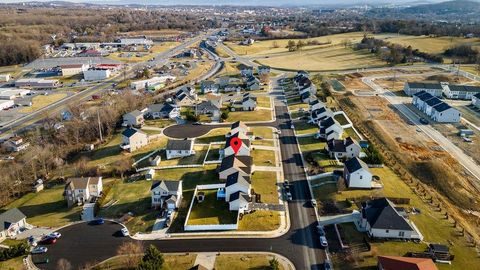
357,174
434,89
263,70
133,119
381,219
247,103
166,194
209,108
405,263
316,104
476,100
163,110
239,128
239,201
179,148
15,144
346,148
244,148
83,190
252,83
435,108
460,91
245,71
11,222
247,42
329,129
153,83
232,88
133,139
232,164
236,182
320,114
70,70
186,96
209,87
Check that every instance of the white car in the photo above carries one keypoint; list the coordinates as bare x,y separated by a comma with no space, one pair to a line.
125,232
55,235
39,250
323,241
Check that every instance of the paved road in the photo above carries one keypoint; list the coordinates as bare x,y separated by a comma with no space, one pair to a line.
467,162
83,243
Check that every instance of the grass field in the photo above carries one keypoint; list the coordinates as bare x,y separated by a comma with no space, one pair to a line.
158,48
215,135
308,144
171,262
435,45
258,115
260,220
200,152
264,102
243,262
302,127
211,211
324,59
160,123
267,46
12,264
263,157
430,223
264,132
265,184
41,101
47,208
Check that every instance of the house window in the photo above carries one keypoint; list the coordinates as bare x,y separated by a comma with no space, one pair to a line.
387,231
361,177
401,234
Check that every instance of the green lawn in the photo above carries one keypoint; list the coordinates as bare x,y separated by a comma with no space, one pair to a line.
350,132
294,107
302,127
171,262
160,123
297,114
264,132
243,262
263,157
308,144
12,264
200,152
263,142
260,220
258,115
211,211
264,102
430,223
265,184
215,135
47,208
341,119
214,152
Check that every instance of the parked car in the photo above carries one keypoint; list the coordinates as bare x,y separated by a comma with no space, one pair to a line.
47,240
98,221
327,265
289,196
32,241
323,241
292,126
55,235
39,250
124,232
313,202
423,121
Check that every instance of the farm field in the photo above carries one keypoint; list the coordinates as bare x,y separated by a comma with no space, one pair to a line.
267,46
324,59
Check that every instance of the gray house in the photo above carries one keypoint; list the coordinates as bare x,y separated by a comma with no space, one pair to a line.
166,194
11,222
133,119
179,148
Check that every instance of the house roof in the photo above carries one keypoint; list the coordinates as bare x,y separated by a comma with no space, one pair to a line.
464,88
166,185
245,142
10,216
406,263
433,101
81,182
442,107
328,122
336,146
423,95
318,112
136,113
355,164
477,95
239,195
179,144
235,178
129,132
381,214
207,105
439,248
161,107
239,124
422,85
243,163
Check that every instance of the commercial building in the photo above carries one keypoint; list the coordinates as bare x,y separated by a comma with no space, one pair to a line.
70,70
96,74
36,83
12,93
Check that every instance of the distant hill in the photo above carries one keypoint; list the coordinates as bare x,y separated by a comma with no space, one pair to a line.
451,7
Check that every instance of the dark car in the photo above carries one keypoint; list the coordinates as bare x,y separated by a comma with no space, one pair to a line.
47,240
423,121
98,221
327,265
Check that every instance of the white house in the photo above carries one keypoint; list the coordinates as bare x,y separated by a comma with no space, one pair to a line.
4,77
236,182
209,87
381,219
476,100
83,190
163,110
166,194
434,89
239,128
346,148
244,149
245,71
133,119
316,104
179,148
357,174
96,74
460,91
15,144
444,113
249,102
320,114
142,84
12,222
239,202
232,88
209,108
329,129
232,164
74,69
133,139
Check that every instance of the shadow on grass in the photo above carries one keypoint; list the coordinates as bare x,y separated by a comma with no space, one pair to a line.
32,211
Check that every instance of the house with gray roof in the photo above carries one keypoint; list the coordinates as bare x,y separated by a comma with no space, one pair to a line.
434,89
263,70
209,108
345,148
133,119
179,148
209,87
381,219
80,190
232,164
236,182
163,110
239,201
12,222
465,92
435,108
357,174
476,100
329,129
166,194
133,139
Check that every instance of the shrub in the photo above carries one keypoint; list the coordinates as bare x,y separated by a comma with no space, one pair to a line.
13,251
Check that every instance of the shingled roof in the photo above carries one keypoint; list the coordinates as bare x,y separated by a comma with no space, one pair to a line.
381,214
9,217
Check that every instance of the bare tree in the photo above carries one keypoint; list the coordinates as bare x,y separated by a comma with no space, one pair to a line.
64,264
131,253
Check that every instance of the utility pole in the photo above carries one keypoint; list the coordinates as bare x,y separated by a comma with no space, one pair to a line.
99,126
394,78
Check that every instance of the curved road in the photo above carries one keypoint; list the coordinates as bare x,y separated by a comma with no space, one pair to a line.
83,243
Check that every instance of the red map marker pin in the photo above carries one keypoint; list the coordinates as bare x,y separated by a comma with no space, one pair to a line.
235,143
